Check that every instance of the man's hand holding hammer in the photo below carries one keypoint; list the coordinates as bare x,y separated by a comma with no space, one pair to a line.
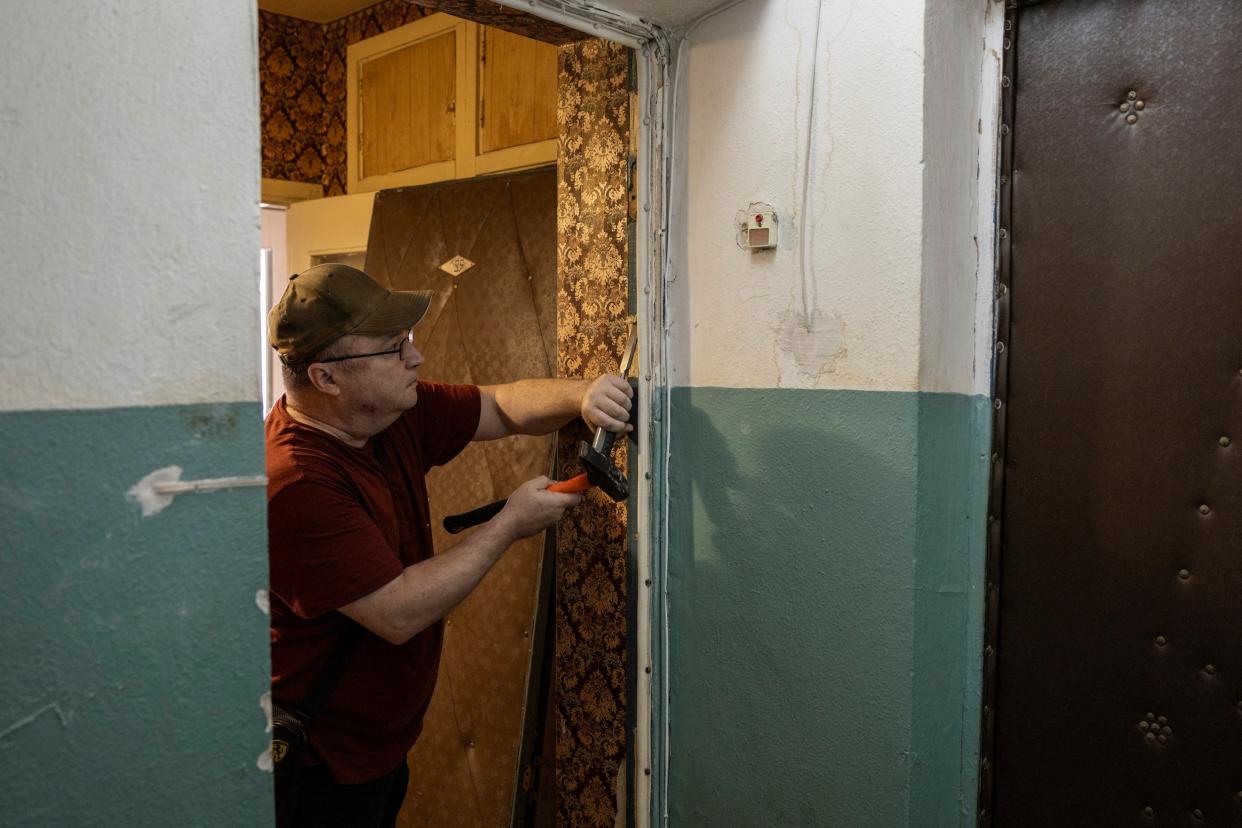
607,403
532,507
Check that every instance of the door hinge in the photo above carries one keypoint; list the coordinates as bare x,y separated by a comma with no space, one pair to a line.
482,110
483,47
528,779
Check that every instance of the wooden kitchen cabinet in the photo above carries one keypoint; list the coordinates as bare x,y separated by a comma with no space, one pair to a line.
444,98
517,101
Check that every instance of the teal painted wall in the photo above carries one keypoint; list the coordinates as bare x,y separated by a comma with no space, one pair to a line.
822,551
954,443
134,654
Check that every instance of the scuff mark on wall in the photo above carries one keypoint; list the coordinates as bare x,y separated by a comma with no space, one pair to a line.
814,341
215,423
24,721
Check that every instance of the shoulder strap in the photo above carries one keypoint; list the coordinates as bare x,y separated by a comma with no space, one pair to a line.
331,674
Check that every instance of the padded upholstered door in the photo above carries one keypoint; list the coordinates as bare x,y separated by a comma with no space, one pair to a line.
487,247
1114,660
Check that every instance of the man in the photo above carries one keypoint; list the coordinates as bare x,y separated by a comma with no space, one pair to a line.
350,531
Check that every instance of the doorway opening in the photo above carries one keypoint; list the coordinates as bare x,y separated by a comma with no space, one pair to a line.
494,158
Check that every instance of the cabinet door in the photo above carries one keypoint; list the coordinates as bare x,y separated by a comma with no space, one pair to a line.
407,101
517,96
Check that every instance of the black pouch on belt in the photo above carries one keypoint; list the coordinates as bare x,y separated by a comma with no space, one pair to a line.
291,723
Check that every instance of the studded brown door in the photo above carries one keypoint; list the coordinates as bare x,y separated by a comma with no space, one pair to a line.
1113,692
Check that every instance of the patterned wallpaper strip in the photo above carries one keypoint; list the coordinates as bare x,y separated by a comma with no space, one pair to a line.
302,94
591,585
291,105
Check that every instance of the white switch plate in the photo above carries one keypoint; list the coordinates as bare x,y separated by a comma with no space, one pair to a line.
761,230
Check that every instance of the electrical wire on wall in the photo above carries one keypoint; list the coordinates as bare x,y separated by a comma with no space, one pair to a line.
806,246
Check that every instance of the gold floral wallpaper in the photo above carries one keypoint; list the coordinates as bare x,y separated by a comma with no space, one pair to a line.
591,565
302,95
291,105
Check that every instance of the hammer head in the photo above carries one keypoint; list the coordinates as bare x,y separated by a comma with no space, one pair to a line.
601,471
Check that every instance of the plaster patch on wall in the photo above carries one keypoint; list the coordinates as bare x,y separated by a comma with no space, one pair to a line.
264,762
155,491
815,342
145,494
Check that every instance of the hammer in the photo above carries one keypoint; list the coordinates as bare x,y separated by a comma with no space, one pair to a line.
595,456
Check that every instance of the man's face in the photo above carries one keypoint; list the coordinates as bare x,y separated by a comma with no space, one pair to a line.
379,385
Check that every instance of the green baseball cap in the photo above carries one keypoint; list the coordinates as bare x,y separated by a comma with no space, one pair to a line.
329,301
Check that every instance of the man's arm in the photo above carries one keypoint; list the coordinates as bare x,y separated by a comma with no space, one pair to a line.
541,406
425,592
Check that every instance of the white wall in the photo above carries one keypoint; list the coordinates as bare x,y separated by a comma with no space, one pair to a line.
272,230
889,299
341,224
122,150
961,112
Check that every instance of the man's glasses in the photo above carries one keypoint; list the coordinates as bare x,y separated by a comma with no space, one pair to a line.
409,338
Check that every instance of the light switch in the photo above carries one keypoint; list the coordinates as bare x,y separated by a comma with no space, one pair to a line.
761,230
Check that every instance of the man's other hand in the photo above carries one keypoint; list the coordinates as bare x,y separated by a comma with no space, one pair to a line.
532,508
607,403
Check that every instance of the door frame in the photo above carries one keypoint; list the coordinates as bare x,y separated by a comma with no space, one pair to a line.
648,644
1002,249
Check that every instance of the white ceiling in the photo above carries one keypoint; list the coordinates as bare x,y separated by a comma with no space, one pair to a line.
667,14
320,11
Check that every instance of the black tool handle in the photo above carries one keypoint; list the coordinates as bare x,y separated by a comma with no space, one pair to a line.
457,523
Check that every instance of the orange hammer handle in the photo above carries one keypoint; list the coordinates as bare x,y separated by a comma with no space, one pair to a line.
574,485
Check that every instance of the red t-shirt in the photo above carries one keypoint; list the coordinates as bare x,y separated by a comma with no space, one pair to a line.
342,522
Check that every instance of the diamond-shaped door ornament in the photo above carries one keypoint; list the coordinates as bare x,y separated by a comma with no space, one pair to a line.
457,266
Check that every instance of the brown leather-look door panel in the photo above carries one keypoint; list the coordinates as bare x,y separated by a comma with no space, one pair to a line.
490,323
1118,673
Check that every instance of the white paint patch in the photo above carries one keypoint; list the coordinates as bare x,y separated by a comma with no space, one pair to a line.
264,762
145,494
263,602
815,345
265,702
157,490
